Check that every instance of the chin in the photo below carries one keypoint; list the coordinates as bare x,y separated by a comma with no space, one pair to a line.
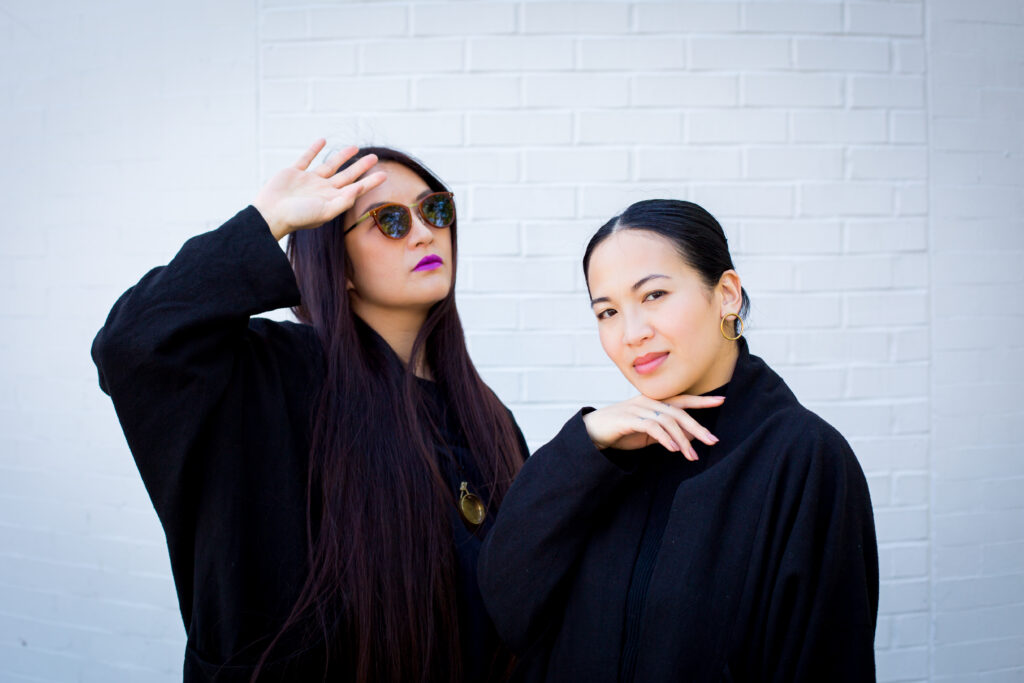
659,389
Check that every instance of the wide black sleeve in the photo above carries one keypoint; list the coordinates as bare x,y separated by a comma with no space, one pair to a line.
172,343
821,593
541,530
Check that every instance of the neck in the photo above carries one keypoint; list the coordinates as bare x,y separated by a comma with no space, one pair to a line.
398,327
720,372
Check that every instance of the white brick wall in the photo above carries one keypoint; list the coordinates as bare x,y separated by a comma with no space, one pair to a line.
976,241
864,157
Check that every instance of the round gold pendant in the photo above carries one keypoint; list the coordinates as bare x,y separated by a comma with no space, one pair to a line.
471,507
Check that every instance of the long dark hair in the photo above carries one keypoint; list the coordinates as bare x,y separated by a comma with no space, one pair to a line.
697,236
382,583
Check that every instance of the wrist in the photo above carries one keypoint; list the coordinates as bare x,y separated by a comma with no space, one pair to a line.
588,423
277,228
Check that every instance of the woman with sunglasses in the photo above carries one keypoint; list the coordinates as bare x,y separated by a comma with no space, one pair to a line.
749,556
324,485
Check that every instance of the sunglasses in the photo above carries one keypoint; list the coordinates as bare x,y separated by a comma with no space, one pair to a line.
395,220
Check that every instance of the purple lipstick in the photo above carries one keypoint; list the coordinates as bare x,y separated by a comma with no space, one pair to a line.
429,262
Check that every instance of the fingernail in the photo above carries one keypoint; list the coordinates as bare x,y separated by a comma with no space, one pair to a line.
712,437
675,446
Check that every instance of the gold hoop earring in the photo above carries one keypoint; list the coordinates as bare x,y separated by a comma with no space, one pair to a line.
721,326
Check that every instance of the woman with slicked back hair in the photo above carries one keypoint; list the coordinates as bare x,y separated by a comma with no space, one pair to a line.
325,485
623,553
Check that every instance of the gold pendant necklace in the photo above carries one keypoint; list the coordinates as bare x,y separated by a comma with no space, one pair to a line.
470,506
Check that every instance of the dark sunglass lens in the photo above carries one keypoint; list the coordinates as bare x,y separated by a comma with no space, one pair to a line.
438,210
394,221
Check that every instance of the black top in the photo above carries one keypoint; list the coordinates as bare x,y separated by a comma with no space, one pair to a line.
665,472
217,409
764,568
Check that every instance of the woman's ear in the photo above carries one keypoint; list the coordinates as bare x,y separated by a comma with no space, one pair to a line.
731,289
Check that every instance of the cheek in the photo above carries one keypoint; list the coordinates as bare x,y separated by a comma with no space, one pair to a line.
610,340
372,269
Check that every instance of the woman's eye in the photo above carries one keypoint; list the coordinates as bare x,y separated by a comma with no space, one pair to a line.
657,294
606,313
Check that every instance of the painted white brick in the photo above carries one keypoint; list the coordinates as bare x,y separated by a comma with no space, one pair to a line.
500,350
685,89
794,162
736,125
488,311
793,17
745,200
619,54
902,664
467,92
793,90
520,128
754,53
844,126
353,21
909,56
912,199
575,17
842,54
284,25
523,202
842,346
869,310
472,165
285,97
846,199
1003,558
411,56
845,273
690,17
601,202
891,381
888,163
862,236
302,60
887,91
765,275
576,90
791,237
897,18
361,95
577,165
632,126
908,127
556,313
908,560
453,18
488,238
562,238
772,311
520,53
589,386
688,163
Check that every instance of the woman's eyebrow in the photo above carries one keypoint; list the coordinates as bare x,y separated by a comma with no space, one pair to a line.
637,285
642,281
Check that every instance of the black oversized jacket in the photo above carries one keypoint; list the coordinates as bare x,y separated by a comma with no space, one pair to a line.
217,409
767,569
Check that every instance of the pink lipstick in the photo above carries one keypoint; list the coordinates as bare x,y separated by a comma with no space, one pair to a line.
649,362
429,262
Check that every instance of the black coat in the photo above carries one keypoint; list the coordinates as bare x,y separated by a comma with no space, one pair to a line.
767,568
217,408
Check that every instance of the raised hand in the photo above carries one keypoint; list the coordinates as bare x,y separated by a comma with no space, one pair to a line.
641,421
298,199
